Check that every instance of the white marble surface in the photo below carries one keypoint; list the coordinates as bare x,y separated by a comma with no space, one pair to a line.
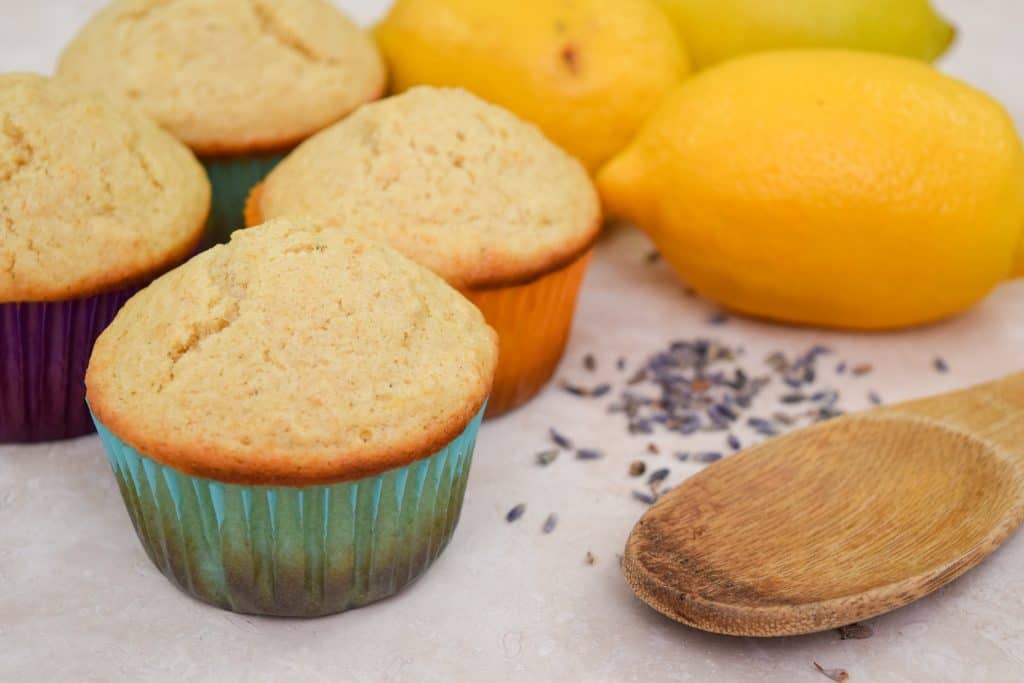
79,601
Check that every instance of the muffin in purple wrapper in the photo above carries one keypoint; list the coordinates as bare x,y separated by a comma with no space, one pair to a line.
95,201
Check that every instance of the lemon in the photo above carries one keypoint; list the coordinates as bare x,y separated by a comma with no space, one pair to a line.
716,30
828,187
588,72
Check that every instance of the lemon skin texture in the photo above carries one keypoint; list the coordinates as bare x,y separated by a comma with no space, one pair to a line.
716,30
828,188
587,72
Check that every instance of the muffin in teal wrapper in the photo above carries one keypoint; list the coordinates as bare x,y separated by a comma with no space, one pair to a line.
294,552
291,418
231,179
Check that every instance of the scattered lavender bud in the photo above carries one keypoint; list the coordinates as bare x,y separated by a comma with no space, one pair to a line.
875,399
862,369
718,319
709,456
559,440
589,454
648,498
940,365
683,456
550,523
515,513
734,442
545,458
784,419
589,362
762,426
657,476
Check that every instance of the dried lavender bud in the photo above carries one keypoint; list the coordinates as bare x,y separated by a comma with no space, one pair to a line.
657,476
734,442
762,426
550,523
784,419
589,362
559,440
648,498
790,399
547,457
589,454
600,390
515,513
683,456
620,364
718,319
862,369
841,368
874,398
940,365
708,456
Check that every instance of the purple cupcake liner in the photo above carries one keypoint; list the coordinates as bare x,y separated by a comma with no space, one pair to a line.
44,351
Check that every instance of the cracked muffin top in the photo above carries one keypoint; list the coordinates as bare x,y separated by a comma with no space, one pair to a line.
93,196
291,356
229,76
460,186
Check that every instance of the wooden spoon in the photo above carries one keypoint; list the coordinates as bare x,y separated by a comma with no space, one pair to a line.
838,522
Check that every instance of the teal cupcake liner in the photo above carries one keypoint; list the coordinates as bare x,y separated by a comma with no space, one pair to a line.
295,552
231,178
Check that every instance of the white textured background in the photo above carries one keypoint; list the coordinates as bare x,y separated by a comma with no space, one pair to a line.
79,601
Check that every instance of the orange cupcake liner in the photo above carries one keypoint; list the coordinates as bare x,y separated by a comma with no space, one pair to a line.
533,322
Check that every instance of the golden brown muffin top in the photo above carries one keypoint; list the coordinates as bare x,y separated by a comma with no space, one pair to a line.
460,186
229,76
293,355
93,196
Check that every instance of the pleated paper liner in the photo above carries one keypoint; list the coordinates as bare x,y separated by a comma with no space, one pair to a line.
297,552
44,351
533,322
231,179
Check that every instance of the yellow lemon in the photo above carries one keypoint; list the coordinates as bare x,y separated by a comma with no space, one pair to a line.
588,72
828,187
715,30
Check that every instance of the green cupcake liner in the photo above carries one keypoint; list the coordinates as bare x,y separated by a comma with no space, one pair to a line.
297,552
231,179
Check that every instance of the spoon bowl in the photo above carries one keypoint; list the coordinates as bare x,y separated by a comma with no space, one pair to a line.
838,522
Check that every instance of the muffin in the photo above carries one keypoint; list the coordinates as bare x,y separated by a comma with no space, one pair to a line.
238,81
291,418
95,199
471,192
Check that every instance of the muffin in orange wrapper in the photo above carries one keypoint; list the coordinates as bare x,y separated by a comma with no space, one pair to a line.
468,190
241,82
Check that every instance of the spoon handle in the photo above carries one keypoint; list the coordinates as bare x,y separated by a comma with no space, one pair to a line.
992,412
